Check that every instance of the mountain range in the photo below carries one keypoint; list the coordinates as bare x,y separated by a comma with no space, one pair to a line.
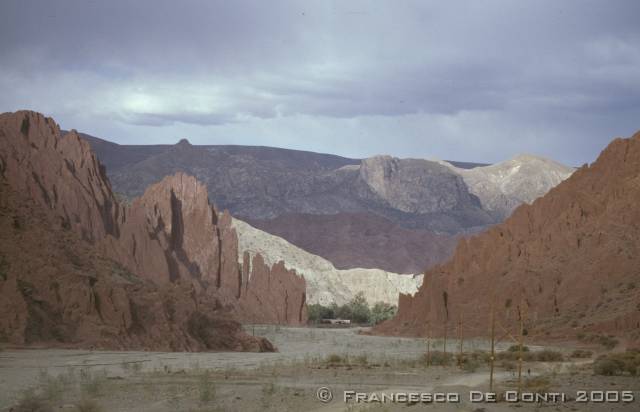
400,215
166,270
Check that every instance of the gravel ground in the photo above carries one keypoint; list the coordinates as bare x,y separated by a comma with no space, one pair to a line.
286,380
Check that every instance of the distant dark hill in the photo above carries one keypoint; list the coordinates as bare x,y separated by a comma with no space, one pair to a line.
467,165
116,156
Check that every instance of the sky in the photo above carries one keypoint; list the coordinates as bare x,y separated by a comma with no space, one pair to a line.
459,80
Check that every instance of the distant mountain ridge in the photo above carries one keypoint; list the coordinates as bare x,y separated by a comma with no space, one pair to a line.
262,185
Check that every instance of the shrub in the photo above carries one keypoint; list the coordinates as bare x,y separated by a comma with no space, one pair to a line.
618,364
469,364
360,312
206,388
4,268
317,312
538,384
608,342
88,405
607,367
382,311
514,356
581,354
439,358
30,402
480,356
549,356
24,126
362,360
507,365
334,358
90,384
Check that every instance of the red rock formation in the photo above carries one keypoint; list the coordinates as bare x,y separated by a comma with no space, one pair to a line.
161,273
571,261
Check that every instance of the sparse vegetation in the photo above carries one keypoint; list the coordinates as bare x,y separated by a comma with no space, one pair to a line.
546,355
581,354
206,388
334,359
30,401
24,127
469,364
438,358
608,341
91,383
624,363
4,268
88,405
362,360
516,348
276,383
538,384
357,310
51,387
382,311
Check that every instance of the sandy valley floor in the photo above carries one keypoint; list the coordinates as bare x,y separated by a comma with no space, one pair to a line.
308,359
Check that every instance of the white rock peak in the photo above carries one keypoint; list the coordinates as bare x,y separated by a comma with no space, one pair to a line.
504,186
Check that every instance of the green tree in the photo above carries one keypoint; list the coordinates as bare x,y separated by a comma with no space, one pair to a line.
382,311
360,311
317,312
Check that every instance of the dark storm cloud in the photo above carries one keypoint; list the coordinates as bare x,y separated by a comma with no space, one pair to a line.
471,80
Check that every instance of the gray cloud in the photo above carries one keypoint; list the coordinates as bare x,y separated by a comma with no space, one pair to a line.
465,80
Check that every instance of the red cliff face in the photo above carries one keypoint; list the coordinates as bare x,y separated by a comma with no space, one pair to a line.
570,262
78,267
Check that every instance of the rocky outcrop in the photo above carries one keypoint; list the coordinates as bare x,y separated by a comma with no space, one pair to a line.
504,186
325,284
161,273
570,262
416,185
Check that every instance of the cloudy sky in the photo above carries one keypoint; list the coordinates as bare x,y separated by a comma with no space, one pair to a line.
462,80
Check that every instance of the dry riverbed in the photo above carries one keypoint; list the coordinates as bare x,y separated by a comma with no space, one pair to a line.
308,359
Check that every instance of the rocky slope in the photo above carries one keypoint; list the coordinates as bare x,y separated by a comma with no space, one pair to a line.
504,186
325,283
362,240
79,269
570,262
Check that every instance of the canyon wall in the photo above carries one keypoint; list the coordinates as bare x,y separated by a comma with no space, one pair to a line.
77,267
569,263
